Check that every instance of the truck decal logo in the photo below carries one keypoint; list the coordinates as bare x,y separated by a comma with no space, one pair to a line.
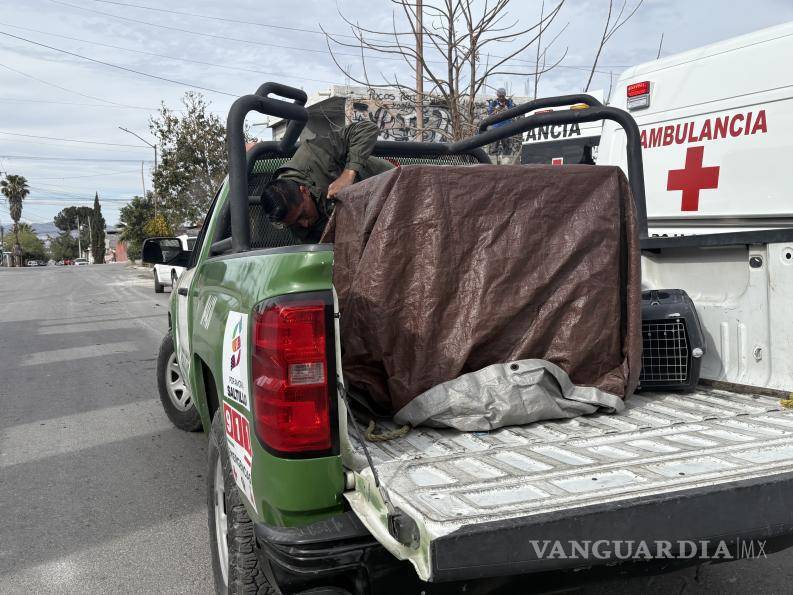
238,440
236,345
711,129
693,178
235,359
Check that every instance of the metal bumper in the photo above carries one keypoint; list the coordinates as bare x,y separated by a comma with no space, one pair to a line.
337,553
735,512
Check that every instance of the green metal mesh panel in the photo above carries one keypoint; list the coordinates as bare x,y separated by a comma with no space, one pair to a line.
263,233
266,235
439,160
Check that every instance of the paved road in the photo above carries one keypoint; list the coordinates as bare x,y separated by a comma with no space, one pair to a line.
98,493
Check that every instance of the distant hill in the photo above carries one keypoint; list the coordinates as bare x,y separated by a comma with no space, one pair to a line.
45,228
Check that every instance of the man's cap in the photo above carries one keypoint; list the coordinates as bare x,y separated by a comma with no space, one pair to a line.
501,91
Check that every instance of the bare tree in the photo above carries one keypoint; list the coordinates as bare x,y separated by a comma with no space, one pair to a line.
458,36
542,54
609,30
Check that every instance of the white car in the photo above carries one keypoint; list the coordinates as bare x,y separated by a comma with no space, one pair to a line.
78,262
167,274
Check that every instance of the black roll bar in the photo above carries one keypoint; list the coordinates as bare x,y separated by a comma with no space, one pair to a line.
535,104
241,164
235,140
295,127
590,114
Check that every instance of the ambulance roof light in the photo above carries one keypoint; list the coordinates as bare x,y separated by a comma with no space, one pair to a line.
637,89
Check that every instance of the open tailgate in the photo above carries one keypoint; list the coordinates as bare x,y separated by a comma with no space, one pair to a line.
709,465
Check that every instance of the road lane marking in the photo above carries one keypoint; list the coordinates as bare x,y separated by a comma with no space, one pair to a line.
41,439
75,353
85,327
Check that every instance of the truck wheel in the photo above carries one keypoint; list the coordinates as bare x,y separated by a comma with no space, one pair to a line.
158,287
174,393
235,565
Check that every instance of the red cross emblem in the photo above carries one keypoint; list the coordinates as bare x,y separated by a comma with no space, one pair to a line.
693,178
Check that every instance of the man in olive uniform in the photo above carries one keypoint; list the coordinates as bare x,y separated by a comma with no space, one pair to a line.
301,196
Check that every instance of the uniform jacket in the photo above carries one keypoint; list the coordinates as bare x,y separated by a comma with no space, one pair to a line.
320,160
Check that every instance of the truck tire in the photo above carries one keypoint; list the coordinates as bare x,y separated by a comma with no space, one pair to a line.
235,564
158,287
174,393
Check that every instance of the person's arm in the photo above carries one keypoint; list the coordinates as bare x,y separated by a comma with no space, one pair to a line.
359,139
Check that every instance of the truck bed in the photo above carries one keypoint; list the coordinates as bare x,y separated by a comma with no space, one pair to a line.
452,483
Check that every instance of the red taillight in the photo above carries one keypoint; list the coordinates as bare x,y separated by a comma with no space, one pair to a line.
291,375
637,89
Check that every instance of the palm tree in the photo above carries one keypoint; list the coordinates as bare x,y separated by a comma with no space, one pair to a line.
15,189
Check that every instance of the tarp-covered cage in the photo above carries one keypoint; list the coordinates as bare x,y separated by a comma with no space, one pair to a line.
243,225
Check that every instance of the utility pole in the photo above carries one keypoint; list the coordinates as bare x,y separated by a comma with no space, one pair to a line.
143,183
141,165
419,71
90,237
79,245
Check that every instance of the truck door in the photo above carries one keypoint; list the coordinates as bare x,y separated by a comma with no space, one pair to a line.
182,289
182,334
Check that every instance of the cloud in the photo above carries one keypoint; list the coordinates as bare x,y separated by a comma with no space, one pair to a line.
23,106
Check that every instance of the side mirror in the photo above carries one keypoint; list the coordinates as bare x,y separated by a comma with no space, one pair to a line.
163,251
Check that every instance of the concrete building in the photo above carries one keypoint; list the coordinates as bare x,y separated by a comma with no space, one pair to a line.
393,111
115,249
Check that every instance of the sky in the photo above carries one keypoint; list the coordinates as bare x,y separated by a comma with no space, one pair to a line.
73,71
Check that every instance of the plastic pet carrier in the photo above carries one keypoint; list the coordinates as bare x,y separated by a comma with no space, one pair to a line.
672,341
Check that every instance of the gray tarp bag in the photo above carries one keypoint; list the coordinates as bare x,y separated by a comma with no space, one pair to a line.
499,395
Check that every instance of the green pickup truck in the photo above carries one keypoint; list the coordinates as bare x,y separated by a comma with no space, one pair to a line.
298,501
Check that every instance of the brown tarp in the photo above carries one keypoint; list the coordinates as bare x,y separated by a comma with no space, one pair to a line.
441,271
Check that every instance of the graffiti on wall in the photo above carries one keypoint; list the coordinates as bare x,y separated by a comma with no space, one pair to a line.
398,121
394,112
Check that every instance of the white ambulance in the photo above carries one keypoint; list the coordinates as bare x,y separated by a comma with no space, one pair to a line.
717,134
559,144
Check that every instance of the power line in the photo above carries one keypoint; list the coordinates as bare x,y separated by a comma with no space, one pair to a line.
189,60
223,19
42,81
14,141
91,159
110,173
80,194
199,33
58,201
7,213
320,51
124,68
71,140
234,39
24,100
35,212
